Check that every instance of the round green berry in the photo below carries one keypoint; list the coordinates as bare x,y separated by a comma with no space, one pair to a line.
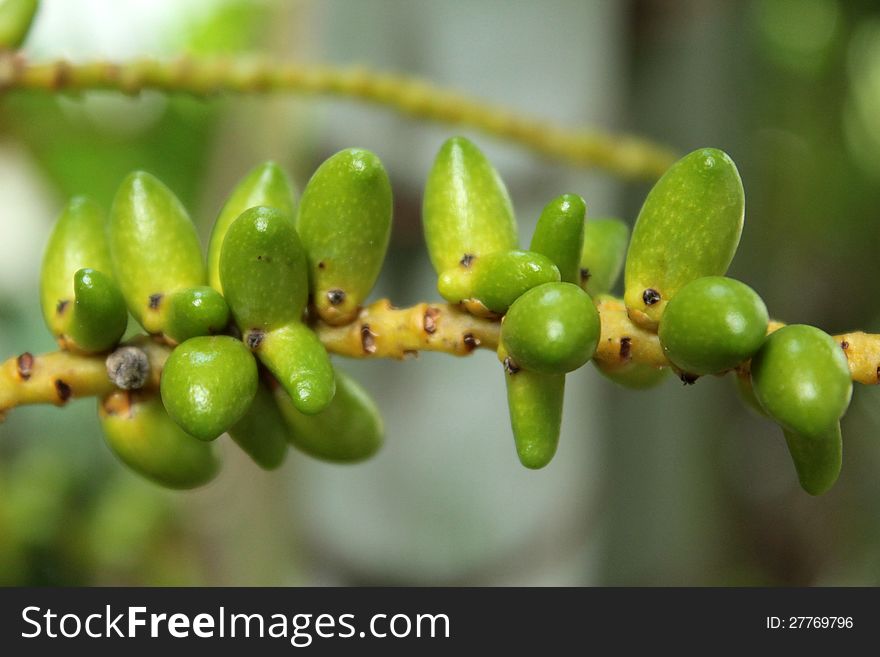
712,325
552,329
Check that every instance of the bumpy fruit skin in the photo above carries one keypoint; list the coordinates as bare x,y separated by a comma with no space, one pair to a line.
688,227
154,248
195,311
208,384
344,222
350,429
262,432
559,234
801,378
466,210
712,325
264,274
265,185
498,279
82,305
16,17
605,242
551,329
139,431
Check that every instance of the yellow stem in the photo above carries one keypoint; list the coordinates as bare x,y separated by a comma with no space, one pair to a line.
623,155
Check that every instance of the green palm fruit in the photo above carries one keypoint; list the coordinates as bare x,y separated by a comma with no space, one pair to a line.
605,242
82,305
712,325
636,376
551,329
688,227
348,430
559,235
157,256
208,384
263,270
497,280
344,222
262,432
266,185
746,392
16,17
802,380
139,431
535,404
466,210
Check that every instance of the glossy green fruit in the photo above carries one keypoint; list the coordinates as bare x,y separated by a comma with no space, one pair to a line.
344,221
265,185
559,235
688,227
264,276
466,210
195,311
712,325
746,392
348,430
154,248
16,17
605,242
262,432
498,279
82,305
635,376
552,329
208,384
139,431
801,378
817,458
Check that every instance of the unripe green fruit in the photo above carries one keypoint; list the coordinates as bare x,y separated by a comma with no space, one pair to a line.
139,431
16,17
552,329
263,271
605,242
348,430
801,377
344,221
154,248
262,432
817,458
208,384
195,311
688,227
746,392
712,325
535,404
82,305
265,185
559,235
635,376
496,280
466,210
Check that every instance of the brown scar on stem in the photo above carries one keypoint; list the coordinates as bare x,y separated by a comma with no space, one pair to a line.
368,339
844,345
625,347
510,366
335,296
466,260
688,379
470,341
650,296
321,265
61,306
255,338
25,365
428,322
585,274
63,390
155,300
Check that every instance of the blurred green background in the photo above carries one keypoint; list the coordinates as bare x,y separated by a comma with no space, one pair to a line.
674,486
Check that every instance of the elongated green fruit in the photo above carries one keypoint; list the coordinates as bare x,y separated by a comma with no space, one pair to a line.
16,17
636,376
154,248
208,384
264,276
552,329
817,458
688,227
262,432
535,404
195,311
344,221
605,243
466,209
82,305
139,431
348,430
496,280
266,185
559,235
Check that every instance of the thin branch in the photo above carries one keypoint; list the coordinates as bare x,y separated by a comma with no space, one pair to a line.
623,155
